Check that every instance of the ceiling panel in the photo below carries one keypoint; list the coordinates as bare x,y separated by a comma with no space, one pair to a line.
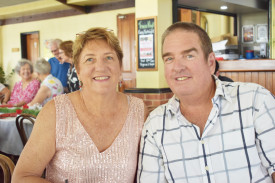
234,6
4,3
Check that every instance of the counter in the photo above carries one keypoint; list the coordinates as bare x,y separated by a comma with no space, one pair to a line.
261,71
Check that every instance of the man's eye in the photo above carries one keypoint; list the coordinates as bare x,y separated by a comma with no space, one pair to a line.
189,57
168,59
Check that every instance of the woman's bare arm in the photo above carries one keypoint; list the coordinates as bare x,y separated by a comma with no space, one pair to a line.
42,94
39,149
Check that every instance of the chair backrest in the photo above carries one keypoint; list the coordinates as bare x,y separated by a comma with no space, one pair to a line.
7,166
20,126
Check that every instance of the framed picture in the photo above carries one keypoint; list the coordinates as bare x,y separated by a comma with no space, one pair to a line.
248,34
262,33
146,44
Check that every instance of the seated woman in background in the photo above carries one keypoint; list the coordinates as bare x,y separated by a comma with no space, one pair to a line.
50,85
93,134
66,55
4,94
24,91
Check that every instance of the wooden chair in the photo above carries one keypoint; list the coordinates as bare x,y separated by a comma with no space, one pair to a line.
20,126
7,166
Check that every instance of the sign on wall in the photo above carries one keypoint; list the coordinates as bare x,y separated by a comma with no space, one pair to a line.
146,44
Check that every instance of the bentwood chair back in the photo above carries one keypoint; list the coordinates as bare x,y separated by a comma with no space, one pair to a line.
7,166
20,125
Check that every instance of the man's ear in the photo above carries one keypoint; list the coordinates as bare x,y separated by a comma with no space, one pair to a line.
212,62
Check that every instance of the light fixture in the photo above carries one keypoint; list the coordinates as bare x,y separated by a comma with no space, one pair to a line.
223,7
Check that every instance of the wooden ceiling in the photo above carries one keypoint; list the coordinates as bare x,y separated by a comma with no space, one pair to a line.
19,8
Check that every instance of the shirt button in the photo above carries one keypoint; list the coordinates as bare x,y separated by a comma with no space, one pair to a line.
202,142
206,168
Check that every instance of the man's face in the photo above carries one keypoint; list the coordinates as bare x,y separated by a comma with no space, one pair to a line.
186,70
55,50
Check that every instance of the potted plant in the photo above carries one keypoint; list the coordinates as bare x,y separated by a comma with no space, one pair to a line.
5,78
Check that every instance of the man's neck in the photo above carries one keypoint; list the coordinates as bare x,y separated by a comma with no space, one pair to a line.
203,97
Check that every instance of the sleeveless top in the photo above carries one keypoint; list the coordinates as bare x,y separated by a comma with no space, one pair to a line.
77,159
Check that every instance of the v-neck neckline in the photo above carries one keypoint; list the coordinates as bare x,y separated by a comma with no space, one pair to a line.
82,128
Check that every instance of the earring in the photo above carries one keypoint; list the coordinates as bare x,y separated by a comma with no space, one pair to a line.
80,84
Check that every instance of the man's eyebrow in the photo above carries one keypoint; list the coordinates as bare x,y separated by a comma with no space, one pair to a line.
183,52
190,50
166,54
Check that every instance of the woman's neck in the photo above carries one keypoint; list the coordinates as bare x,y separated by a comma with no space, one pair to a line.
43,76
99,103
24,80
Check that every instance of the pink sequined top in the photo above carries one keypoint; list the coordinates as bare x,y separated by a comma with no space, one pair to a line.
77,159
27,94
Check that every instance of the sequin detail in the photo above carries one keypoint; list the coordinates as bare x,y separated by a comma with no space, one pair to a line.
77,158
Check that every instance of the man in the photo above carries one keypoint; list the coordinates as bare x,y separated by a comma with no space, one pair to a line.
58,70
209,131
217,73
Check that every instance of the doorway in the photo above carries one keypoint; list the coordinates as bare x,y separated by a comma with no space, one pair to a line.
126,36
30,45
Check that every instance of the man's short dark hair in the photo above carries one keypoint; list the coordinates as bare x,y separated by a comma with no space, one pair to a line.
206,43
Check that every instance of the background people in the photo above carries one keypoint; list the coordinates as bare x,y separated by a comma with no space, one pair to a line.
66,55
50,86
58,69
210,131
24,90
4,94
91,135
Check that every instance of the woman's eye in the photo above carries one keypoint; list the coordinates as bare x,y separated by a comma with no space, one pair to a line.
109,58
90,60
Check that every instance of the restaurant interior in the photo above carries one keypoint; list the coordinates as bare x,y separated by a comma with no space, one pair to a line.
242,33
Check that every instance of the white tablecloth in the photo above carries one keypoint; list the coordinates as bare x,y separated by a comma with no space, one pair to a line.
10,141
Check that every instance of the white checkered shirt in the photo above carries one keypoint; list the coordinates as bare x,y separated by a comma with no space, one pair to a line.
236,144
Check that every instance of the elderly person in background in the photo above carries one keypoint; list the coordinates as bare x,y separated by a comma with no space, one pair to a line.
58,69
66,55
90,135
24,90
4,94
50,86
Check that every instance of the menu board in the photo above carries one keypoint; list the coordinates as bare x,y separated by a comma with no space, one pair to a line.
147,44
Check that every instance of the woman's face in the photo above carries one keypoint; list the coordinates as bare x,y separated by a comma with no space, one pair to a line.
25,72
63,57
98,67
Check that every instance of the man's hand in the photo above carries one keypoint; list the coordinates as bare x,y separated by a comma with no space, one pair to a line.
273,177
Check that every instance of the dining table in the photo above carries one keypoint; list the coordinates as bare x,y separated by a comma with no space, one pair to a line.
10,141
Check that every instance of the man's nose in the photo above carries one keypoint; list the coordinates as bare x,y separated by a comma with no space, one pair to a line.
179,64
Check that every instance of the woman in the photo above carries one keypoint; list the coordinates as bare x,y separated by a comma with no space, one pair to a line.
91,135
66,55
50,86
24,90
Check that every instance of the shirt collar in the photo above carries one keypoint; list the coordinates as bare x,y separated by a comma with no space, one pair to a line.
173,105
221,89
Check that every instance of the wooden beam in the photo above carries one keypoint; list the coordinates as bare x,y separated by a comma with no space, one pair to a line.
83,9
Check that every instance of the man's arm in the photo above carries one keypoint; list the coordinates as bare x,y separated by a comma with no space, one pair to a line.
273,177
150,163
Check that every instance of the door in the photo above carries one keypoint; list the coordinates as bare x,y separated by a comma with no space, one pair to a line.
126,36
30,46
